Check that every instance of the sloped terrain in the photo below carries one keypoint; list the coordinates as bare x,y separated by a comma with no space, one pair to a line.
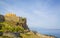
12,26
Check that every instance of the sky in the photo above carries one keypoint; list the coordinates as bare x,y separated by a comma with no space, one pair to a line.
39,13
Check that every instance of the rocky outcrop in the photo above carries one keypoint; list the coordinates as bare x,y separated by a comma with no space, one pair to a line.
14,20
2,18
14,31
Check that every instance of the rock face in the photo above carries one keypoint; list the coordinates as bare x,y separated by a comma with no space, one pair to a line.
14,20
2,18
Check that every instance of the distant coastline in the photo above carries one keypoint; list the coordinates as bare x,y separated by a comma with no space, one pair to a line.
49,32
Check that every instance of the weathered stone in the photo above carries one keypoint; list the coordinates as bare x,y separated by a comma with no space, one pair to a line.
2,19
16,34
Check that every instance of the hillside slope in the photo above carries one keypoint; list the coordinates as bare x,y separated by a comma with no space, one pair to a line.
12,26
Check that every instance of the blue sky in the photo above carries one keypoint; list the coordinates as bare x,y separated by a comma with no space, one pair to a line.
39,13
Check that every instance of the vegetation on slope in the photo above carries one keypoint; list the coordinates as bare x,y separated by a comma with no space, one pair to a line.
16,28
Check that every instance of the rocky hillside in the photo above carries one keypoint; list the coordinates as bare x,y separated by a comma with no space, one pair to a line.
12,26
14,20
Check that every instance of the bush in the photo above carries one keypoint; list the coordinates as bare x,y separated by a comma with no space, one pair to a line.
18,28
1,33
0,26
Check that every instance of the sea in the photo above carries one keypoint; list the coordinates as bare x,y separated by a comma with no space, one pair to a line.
53,32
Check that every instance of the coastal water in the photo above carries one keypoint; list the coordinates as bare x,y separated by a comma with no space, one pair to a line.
53,32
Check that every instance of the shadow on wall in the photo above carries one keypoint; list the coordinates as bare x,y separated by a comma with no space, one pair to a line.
2,19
